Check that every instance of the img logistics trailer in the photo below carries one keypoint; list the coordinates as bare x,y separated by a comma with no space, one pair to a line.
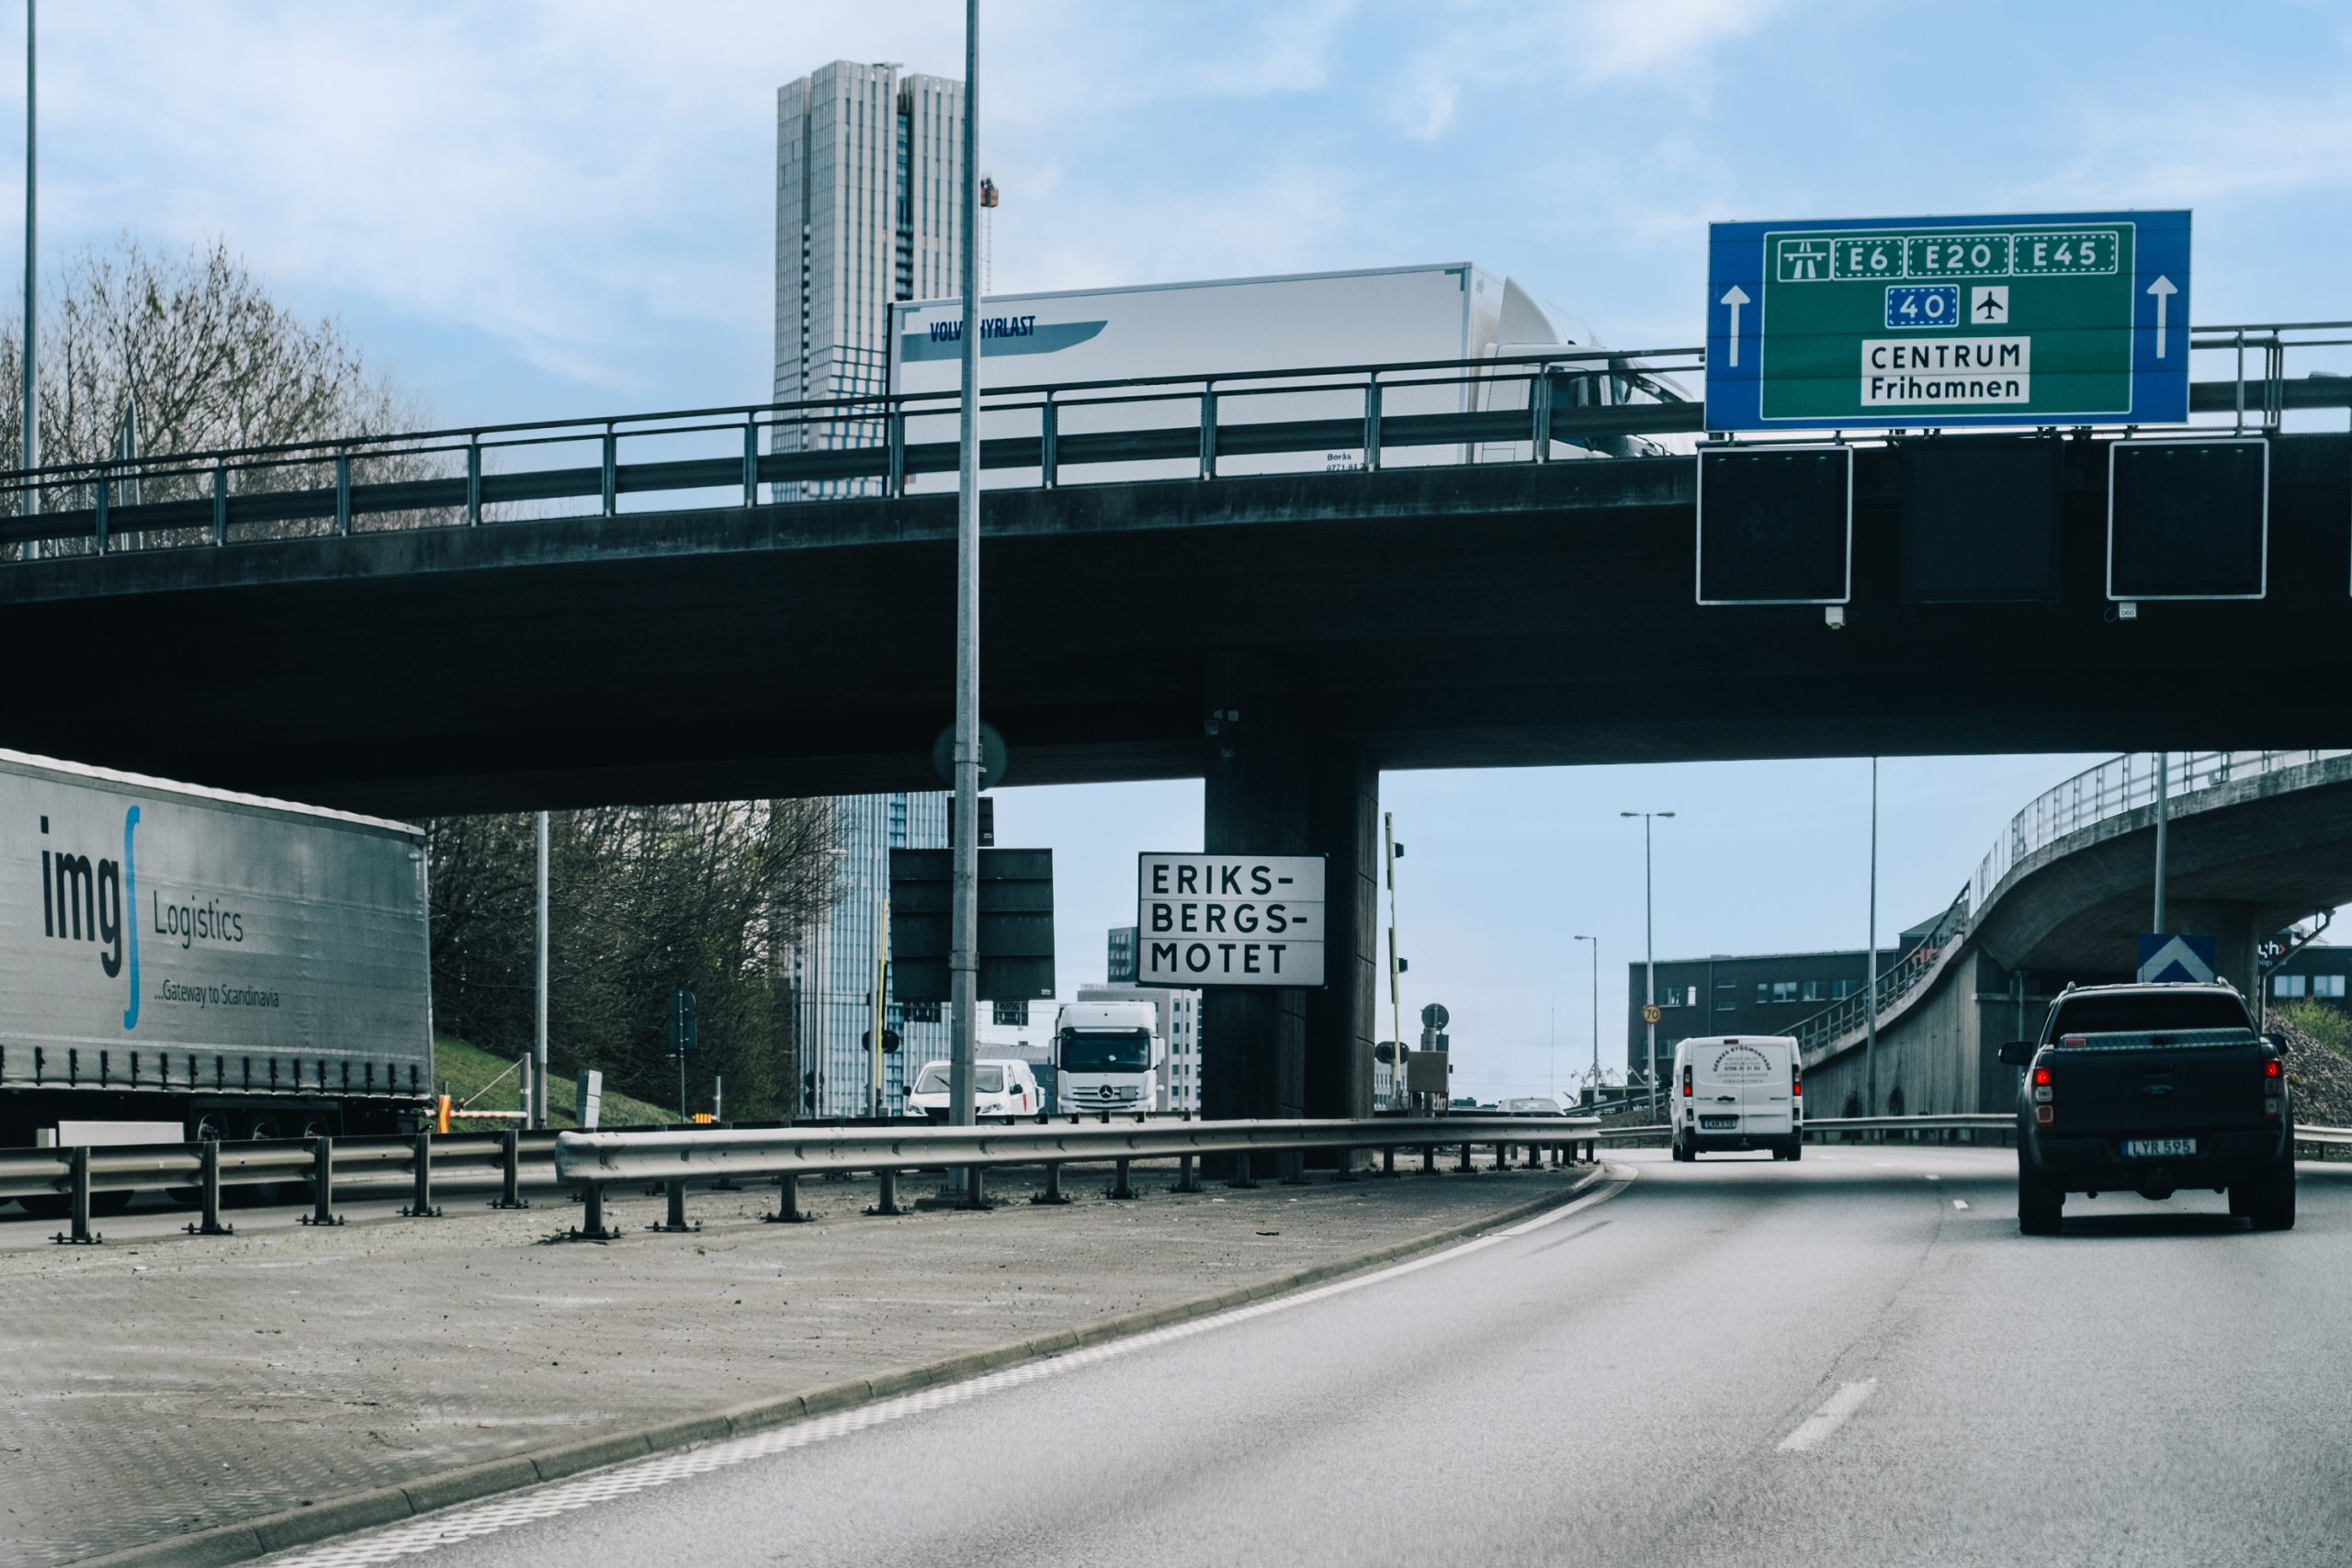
233,966
1226,327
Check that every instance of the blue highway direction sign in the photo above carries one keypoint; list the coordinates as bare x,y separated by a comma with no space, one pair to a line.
2163,958
1855,324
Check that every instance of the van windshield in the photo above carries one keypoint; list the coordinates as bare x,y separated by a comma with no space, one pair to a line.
1106,1050
987,1078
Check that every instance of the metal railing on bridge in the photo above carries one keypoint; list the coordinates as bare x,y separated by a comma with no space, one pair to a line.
1535,408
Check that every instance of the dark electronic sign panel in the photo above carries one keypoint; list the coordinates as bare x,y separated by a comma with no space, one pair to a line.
1776,524
2189,519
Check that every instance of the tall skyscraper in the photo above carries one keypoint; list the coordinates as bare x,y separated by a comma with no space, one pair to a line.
869,210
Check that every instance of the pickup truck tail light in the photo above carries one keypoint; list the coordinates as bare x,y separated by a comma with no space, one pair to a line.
2045,1113
2273,1088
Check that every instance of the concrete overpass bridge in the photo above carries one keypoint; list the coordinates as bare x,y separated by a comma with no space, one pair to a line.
687,606
2255,841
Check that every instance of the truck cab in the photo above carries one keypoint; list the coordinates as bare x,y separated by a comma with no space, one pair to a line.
2150,1089
1107,1058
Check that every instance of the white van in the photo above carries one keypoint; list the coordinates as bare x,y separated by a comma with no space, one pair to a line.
999,1089
1737,1092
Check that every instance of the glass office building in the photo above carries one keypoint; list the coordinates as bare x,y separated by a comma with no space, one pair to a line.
869,210
834,963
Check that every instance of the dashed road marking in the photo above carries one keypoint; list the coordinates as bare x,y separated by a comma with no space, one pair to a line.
1933,1177
1960,1202
1815,1428
455,1524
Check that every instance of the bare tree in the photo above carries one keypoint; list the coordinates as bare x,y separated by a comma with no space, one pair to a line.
191,346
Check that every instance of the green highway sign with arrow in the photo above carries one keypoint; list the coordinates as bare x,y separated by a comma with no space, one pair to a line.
2064,318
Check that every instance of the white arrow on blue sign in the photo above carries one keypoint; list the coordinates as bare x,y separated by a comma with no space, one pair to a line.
2163,958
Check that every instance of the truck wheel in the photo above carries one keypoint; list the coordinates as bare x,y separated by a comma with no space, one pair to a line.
2271,1203
1796,1148
2041,1202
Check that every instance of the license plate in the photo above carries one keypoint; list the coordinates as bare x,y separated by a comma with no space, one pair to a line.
2158,1148
1718,1123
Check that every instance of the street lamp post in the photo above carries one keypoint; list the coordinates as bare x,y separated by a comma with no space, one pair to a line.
1649,952
1596,1018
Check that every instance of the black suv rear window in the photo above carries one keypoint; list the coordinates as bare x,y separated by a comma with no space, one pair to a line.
2147,1010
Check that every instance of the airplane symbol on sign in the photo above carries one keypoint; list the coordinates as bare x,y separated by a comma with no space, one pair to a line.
1989,302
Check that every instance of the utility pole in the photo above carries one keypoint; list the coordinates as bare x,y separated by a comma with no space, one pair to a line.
1596,1018
2163,809
1870,995
881,1004
538,1106
1650,951
31,450
963,956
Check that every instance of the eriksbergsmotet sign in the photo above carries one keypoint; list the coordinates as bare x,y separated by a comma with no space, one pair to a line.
2066,319
1229,919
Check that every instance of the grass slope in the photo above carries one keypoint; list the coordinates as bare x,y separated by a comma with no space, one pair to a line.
472,1076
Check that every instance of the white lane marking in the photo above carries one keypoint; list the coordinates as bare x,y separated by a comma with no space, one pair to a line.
451,1526
1883,1164
1815,1428
1960,1202
1933,1177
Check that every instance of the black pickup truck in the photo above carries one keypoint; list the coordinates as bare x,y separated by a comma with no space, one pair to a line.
2150,1089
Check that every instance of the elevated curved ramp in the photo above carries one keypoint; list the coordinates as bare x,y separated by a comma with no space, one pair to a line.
2255,841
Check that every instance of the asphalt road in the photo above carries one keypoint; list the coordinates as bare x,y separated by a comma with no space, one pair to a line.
1853,1360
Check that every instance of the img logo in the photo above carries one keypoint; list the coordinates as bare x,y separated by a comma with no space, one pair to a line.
88,901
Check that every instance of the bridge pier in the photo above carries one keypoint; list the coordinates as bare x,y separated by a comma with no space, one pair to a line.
1273,788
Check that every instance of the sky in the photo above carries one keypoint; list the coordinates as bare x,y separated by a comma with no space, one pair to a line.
558,209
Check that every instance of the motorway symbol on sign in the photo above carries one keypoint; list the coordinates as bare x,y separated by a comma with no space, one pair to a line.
1229,919
2163,958
1652,1012
2054,319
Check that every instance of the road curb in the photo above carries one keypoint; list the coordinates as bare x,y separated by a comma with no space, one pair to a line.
249,1539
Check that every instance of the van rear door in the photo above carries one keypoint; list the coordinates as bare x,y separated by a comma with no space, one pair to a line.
1742,1086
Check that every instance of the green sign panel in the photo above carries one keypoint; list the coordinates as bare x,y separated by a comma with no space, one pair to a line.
1934,321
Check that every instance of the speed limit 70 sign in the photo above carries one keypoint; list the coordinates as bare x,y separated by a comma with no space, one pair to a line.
1652,1012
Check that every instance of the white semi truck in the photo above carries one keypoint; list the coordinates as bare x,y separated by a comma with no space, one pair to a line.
187,963
1222,327
1107,1058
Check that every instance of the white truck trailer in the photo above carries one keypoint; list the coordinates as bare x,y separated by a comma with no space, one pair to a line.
185,962
1219,328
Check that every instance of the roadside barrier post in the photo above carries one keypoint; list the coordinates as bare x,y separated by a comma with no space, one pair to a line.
1119,1188
322,1185
421,1206
208,1165
675,1219
1347,1171
1242,1171
1188,1175
787,1202
592,1225
1428,1159
976,1191
1294,1163
509,1153
889,1203
1465,1168
1535,1157
81,1234
1388,1160
1053,1192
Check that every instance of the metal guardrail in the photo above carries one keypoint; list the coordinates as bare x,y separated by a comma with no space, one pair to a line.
1508,408
590,1160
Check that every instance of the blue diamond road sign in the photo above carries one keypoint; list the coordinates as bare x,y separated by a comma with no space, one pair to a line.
2163,958
2078,317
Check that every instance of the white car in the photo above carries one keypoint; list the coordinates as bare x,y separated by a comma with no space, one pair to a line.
999,1089
1737,1091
